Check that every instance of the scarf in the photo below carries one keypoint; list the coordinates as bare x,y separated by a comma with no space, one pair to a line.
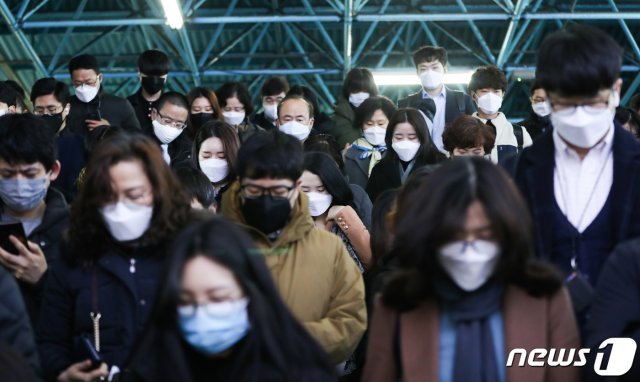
369,151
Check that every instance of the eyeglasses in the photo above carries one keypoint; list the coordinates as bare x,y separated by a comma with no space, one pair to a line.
212,309
172,122
252,191
49,110
590,106
88,82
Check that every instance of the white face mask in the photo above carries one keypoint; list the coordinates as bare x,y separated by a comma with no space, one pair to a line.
166,134
215,169
319,203
270,111
233,118
490,103
585,126
127,221
406,149
86,93
542,109
356,99
2,112
469,264
375,135
297,129
431,79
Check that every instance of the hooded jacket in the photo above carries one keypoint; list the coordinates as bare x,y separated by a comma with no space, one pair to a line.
315,275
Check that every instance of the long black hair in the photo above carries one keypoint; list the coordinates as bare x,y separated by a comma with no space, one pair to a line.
329,173
277,343
428,153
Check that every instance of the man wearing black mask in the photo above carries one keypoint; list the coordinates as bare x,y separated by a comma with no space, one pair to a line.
153,68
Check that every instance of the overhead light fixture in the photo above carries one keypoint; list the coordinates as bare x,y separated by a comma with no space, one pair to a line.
173,13
405,77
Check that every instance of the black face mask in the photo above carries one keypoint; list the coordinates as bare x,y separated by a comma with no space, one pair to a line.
266,213
199,119
152,84
53,121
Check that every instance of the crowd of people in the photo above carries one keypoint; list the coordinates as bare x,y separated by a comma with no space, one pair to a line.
199,237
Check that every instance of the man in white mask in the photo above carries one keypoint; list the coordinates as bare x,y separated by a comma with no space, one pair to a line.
169,121
582,179
272,93
539,120
487,87
431,66
295,117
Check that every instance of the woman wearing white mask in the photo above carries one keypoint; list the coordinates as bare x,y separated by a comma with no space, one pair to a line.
410,146
469,290
236,105
215,150
357,87
203,107
332,208
372,117
102,289
219,317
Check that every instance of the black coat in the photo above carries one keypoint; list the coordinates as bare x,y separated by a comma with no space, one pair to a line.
116,110
457,103
142,109
386,176
536,125
262,122
71,154
362,204
180,149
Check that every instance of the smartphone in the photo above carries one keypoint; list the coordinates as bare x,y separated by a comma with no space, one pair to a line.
15,229
93,116
91,352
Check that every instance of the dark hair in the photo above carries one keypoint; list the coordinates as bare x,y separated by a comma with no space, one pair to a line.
308,94
535,86
290,97
578,61
20,94
427,153
466,132
270,155
365,111
274,86
47,86
87,230
325,143
488,76
154,63
210,96
84,61
332,179
445,197
428,54
8,94
197,185
381,236
626,115
25,138
634,103
359,80
174,98
230,144
277,340
238,90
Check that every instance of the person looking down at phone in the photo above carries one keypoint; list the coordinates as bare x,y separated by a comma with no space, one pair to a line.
32,214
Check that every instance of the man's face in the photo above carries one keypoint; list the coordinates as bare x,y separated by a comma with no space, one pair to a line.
171,115
87,77
273,99
435,66
21,171
47,104
480,92
295,110
279,188
538,96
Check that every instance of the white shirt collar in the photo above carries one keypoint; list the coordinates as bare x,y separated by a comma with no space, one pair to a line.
443,93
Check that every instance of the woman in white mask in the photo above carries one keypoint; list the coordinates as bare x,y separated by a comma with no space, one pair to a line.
409,146
102,289
469,290
332,207
372,118
203,107
219,317
215,150
236,105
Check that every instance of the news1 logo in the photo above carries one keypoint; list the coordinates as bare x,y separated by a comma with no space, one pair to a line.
621,353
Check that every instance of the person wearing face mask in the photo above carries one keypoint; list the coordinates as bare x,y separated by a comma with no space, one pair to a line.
469,290
103,287
215,152
357,87
365,152
92,106
431,64
581,177
153,69
487,87
468,136
295,117
169,121
322,123
219,317
199,188
410,146
307,264
236,105
272,93
203,107
539,120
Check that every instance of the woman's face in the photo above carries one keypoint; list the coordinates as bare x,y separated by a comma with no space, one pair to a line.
205,281
212,148
477,225
130,183
378,119
404,131
468,151
234,104
201,105
311,182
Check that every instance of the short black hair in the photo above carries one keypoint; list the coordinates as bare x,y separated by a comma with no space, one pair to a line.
365,111
270,155
290,97
332,179
154,63
325,143
359,80
8,94
50,85
197,185
20,93
488,76
308,94
173,98
84,61
25,138
536,85
238,90
430,53
578,61
274,86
